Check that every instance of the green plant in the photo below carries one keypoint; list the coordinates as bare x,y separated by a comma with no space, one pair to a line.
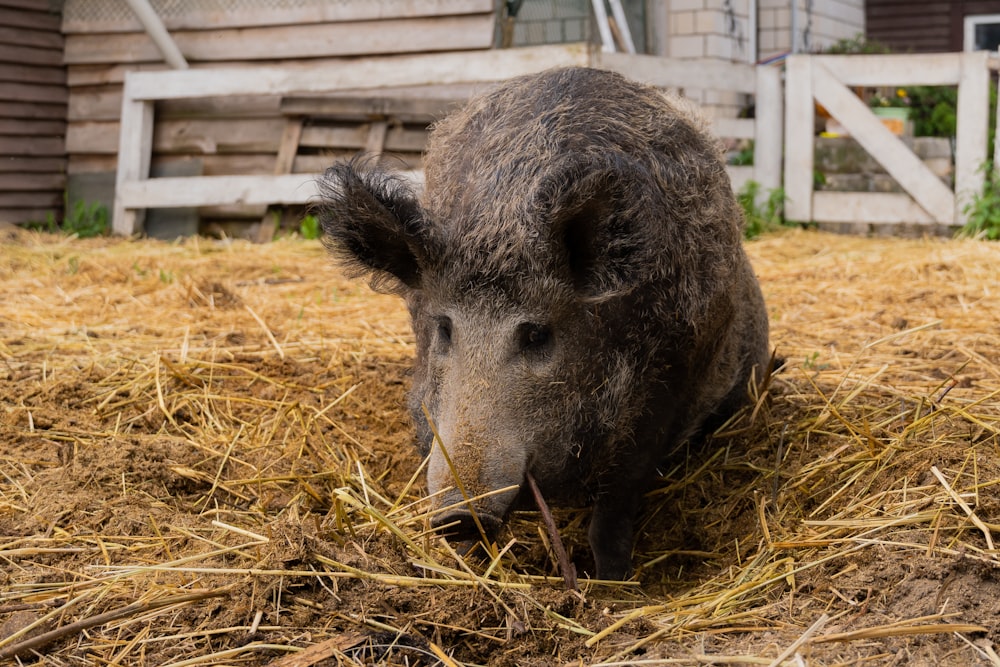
984,210
761,217
855,45
309,227
85,219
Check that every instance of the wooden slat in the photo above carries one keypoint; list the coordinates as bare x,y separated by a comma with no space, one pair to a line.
304,41
693,74
799,118
933,69
872,207
21,36
32,165
768,129
901,163
396,139
217,135
12,182
35,128
27,55
37,20
22,215
31,74
972,123
31,146
29,110
197,18
134,156
31,199
367,73
405,109
28,92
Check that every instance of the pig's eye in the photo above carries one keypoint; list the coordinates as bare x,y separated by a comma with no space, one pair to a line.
535,337
444,331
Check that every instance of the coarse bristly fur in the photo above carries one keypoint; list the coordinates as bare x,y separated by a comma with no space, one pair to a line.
580,297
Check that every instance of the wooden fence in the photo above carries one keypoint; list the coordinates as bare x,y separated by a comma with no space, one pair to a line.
135,191
32,112
812,79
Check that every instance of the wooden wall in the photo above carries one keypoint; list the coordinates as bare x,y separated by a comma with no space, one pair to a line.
922,26
242,135
32,111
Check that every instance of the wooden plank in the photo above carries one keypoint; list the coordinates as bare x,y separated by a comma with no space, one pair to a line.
39,39
134,155
887,149
405,109
768,134
23,215
31,110
31,146
202,136
32,165
972,123
675,73
363,74
33,74
932,69
737,128
451,33
37,20
29,92
35,128
31,199
226,190
12,182
29,55
397,139
375,142
872,207
196,18
799,119
289,146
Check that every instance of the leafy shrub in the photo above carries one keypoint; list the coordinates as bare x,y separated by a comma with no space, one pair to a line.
984,210
309,228
764,217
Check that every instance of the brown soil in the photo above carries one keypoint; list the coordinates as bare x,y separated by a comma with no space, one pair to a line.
205,459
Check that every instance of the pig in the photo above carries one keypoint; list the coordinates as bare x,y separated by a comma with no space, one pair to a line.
580,297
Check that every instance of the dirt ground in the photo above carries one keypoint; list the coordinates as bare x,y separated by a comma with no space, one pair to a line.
205,460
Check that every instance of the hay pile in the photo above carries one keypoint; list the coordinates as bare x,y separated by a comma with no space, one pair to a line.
205,460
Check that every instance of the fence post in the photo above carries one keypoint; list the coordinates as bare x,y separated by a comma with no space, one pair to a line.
972,130
768,125
799,120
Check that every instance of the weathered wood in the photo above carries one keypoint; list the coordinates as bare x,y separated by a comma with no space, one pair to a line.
35,128
12,182
972,123
869,207
29,55
887,149
397,139
367,73
31,146
29,92
22,215
32,74
474,31
32,165
693,74
932,69
199,136
289,145
799,119
39,39
36,20
134,155
768,129
375,142
405,109
32,110
22,199
198,18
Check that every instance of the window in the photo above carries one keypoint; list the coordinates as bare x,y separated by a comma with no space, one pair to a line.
982,32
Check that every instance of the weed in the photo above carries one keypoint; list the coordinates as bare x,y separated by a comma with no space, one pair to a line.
761,217
984,210
83,219
309,228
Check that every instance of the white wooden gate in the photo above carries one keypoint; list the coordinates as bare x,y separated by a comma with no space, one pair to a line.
825,79
135,191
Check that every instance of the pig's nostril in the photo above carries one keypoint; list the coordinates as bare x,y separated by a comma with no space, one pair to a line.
462,526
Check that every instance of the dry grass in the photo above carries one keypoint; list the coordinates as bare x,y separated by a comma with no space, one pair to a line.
206,461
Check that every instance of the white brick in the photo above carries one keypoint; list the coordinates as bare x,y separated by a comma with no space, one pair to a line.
686,5
709,22
719,46
682,23
691,46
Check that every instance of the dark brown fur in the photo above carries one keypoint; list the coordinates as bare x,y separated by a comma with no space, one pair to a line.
579,292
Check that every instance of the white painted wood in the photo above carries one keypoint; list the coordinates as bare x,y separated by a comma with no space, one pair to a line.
364,74
901,163
154,27
739,176
737,128
227,190
972,130
684,74
768,125
799,120
136,141
872,207
198,18
603,27
446,33
626,33
931,69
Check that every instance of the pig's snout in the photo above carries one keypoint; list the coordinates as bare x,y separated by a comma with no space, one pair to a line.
461,526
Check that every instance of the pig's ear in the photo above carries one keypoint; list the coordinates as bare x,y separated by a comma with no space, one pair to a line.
598,229
372,224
